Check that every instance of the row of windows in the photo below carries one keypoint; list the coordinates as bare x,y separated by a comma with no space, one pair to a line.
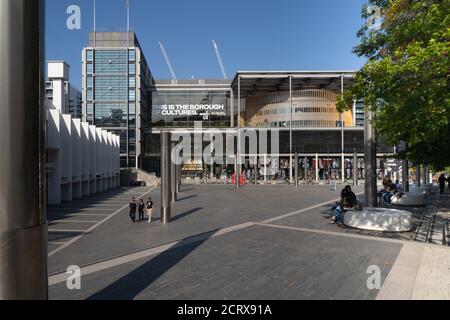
297,123
281,111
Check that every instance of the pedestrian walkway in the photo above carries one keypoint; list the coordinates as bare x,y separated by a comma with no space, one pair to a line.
69,222
259,242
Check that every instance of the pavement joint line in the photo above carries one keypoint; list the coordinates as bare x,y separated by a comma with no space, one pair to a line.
131,257
67,231
56,243
72,215
288,215
94,227
72,221
80,209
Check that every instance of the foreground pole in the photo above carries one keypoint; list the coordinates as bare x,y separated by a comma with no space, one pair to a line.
418,176
296,170
355,170
166,165
370,161
23,226
405,176
173,181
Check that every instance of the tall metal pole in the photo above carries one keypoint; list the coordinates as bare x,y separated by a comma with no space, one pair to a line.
238,153
342,134
370,161
165,177
173,181
418,176
290,129
355,169
23,222
405,176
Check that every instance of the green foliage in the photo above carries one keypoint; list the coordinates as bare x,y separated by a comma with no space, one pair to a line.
406,78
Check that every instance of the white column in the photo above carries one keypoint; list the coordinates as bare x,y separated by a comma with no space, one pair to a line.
76,159
66,158
98,159
92,160
85,159
54,157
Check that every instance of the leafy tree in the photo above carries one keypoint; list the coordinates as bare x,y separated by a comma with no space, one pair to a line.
406,78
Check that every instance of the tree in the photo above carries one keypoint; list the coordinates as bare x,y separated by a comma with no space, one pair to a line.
406,78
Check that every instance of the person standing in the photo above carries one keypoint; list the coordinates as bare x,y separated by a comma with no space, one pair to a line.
442,182
150,210
133,207
141,208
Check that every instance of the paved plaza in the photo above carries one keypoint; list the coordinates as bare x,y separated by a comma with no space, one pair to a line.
258,242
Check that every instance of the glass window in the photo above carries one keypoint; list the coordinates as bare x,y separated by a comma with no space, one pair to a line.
132,95
89,68
89,56
89,82
132,82
132,108
132,68
132,55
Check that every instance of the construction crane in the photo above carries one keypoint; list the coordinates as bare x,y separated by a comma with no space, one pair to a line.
219,58
166,57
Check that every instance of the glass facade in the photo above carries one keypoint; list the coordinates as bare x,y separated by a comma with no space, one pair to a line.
182,108
111,96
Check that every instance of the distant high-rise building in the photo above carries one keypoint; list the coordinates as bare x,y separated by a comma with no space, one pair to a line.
73,98
117,85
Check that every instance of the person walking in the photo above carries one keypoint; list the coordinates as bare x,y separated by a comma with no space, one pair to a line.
141,208
133,207
150,210
442,181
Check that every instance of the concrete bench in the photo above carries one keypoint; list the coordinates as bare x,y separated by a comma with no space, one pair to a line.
380,219
409,199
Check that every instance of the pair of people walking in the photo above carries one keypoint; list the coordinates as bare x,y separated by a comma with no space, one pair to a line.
140,207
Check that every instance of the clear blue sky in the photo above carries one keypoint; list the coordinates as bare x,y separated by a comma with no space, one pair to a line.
251,34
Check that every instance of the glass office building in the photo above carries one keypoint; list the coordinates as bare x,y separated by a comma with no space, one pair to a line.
117,86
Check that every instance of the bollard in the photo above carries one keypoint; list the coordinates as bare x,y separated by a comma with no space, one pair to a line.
165,177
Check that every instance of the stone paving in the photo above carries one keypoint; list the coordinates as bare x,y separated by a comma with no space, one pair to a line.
260,242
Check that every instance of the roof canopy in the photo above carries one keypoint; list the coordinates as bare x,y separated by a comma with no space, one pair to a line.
260,82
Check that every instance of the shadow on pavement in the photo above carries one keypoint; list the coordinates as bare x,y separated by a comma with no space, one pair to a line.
135,282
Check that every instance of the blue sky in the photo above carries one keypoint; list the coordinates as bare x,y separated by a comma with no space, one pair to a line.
251,34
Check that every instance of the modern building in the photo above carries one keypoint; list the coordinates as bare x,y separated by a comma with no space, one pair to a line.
72,96
81,159
117,85
299,105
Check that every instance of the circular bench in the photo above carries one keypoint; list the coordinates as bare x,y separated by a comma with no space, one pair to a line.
409,199
380,219
425,190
